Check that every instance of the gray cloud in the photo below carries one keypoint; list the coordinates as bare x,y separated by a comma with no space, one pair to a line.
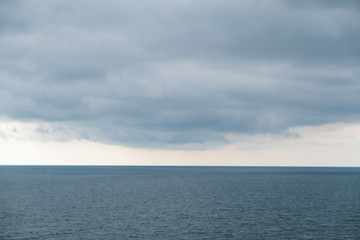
173,73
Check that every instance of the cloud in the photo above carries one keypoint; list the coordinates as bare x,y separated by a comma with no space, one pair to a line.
186,73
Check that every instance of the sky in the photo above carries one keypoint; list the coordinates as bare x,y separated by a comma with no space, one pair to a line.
179,82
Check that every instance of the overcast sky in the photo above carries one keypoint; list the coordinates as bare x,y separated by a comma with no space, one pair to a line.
176,74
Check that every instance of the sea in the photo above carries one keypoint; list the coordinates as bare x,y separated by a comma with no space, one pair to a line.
142,202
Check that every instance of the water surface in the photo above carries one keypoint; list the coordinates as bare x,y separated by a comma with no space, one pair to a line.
46,202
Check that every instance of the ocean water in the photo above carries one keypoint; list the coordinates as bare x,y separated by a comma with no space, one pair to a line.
179,203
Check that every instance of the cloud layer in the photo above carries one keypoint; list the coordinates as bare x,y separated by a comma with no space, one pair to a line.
178,73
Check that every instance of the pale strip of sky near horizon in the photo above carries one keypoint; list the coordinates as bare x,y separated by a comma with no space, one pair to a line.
331,145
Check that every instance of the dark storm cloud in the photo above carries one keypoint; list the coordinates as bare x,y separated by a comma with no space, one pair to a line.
170,73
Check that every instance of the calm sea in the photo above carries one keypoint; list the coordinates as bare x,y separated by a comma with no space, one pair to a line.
179,203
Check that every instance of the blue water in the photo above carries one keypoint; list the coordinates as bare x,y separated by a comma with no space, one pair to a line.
179,203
